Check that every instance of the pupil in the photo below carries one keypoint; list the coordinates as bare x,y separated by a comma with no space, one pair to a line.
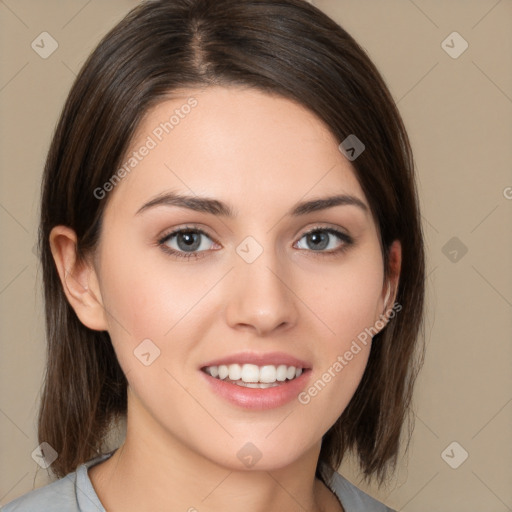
190,241
319,237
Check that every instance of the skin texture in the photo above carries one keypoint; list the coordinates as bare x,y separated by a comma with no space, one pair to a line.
260,154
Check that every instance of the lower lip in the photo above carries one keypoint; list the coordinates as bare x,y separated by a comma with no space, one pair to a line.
257,398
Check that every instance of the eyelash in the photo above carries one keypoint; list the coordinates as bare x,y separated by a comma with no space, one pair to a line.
346,239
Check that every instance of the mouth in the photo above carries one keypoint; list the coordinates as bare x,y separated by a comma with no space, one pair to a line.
255,381
254,376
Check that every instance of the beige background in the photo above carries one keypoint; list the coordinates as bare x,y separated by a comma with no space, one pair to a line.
459,115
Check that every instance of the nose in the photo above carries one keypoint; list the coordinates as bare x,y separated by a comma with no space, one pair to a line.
261,295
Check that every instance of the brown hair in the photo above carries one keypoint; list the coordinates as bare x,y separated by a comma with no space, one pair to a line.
284,47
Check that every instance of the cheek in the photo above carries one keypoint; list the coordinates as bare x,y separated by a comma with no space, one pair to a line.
147,295
348,301
157,301
347,305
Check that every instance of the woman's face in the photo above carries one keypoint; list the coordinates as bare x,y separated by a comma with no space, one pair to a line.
252,287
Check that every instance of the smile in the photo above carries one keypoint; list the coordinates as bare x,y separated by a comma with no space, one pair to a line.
254,376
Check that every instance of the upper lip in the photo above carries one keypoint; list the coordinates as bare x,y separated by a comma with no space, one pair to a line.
273,358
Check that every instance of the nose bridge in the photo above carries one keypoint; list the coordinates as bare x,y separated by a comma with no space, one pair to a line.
261,295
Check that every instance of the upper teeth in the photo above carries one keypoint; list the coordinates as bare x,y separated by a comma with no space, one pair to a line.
253,373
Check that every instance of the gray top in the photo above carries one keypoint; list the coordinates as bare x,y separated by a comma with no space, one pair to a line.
75,493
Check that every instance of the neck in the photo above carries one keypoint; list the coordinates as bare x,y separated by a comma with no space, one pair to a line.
160,472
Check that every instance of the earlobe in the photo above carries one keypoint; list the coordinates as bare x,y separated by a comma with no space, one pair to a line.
386,298
78,279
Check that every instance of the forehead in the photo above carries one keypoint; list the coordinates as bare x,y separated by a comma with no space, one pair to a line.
245,146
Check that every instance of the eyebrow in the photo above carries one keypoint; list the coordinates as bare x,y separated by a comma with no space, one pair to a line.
216,207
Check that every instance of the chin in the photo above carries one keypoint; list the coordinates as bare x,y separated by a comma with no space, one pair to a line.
259,454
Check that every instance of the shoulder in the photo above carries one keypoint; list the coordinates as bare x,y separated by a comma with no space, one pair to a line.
351,497
55,497
72,493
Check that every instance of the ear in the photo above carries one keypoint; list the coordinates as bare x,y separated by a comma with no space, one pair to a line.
395,264
78,278
390,287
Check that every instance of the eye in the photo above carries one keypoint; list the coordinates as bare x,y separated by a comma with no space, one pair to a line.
192,242
185,242
323,240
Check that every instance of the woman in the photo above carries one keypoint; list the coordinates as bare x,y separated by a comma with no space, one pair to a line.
233,262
